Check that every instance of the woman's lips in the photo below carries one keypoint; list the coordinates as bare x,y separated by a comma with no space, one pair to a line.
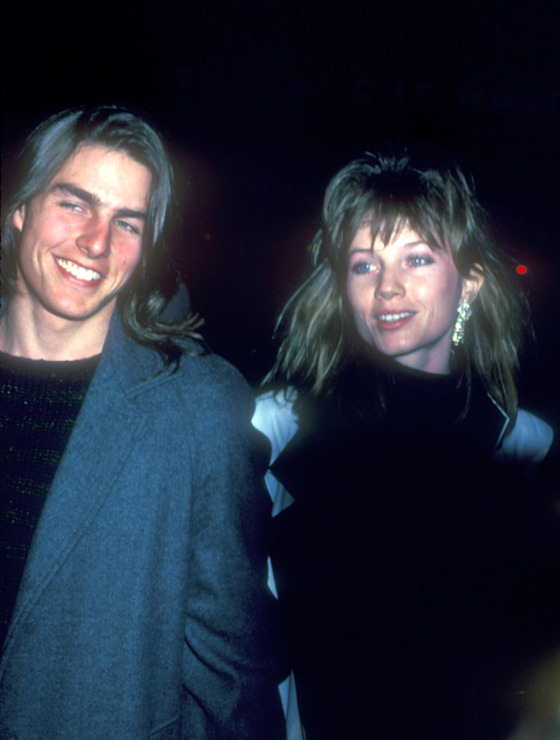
391,321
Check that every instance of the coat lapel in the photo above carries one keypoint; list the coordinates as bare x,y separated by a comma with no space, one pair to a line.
105,432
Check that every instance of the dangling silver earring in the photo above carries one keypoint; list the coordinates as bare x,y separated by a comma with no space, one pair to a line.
464,313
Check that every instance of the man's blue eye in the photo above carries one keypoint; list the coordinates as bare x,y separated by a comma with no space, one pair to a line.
70,206
128,227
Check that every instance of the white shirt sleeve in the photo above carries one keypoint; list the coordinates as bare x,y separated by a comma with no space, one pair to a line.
274,416
527,443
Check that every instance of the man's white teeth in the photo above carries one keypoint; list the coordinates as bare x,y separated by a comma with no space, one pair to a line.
79,272
395,316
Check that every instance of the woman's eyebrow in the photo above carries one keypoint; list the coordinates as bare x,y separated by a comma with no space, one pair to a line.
417,243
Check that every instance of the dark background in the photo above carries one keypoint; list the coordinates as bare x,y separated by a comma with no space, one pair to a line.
263,101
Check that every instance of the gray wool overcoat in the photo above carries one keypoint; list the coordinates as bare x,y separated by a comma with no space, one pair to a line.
143,610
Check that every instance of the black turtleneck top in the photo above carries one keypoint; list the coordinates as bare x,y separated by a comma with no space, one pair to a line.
408,567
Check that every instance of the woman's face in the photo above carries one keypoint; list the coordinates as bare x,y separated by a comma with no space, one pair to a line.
404,298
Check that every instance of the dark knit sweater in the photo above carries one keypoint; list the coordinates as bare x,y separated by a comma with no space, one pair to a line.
40,401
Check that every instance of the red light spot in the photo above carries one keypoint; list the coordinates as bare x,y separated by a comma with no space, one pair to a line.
521,269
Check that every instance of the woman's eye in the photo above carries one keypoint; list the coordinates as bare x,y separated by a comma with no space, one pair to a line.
420,261
362,268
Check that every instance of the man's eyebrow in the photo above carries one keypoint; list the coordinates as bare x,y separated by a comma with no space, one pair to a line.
94,200
131,213
85,195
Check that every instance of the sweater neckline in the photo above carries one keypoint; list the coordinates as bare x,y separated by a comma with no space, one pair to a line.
47,368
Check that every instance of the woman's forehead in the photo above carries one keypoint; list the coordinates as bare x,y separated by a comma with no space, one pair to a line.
370,230
384,229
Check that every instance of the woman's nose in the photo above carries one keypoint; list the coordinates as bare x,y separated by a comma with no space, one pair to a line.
389,283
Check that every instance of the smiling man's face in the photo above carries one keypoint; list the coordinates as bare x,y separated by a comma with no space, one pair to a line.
81,238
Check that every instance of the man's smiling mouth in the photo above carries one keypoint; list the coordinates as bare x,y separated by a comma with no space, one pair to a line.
78,272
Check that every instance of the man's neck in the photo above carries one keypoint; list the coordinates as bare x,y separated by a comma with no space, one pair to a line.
24,334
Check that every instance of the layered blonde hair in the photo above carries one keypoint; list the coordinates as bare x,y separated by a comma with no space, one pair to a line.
429,191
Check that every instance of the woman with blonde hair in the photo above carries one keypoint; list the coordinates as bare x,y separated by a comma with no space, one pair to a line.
407,546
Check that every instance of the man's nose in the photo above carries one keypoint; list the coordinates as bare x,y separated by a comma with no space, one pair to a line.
389,283
95,240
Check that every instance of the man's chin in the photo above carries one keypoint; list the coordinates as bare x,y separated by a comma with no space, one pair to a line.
84,313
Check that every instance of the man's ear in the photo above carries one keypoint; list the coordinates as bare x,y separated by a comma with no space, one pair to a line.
19,217
472,284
